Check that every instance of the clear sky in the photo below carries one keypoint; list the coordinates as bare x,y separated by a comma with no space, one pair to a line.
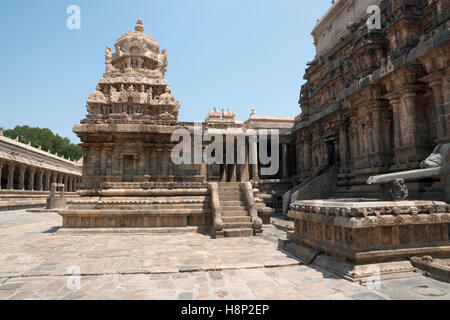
226,53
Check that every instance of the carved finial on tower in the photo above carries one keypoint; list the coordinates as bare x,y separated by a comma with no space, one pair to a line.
139,26
253,112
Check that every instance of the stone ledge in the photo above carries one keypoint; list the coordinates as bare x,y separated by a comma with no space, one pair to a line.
370,222
144,212
155,230
362,208
348,270
433,268
373,255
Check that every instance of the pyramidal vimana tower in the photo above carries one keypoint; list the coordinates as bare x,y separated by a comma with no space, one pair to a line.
129,179
131,116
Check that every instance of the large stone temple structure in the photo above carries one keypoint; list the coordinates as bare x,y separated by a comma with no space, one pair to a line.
129,178
375,125
375,101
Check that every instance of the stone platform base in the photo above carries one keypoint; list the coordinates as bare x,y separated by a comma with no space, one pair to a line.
173,230
345,269
25,199
438,269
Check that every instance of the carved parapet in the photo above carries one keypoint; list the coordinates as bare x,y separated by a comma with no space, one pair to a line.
372,231
247,190
216,210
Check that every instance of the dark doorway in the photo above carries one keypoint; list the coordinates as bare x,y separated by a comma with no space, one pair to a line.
331,152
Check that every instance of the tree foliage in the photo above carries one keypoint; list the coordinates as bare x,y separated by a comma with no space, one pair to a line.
46,139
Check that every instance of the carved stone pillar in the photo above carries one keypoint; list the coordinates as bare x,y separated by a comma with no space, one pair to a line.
204,171
253,153
284,155
159,170
147,161
69,183
48,177
87,161
54,179
170,164
409,116
31,174
376,132
395,102
233,166
245,175
103,161
307,154
153,163
66,182
1,168
362,139
164,162
410,138
233,177
40,183
300,158
22,169
11,169
441,113
109,161
223,172
98,154
343,145
353,137
368,137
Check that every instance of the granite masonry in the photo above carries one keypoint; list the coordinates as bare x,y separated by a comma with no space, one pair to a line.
129,178
375,127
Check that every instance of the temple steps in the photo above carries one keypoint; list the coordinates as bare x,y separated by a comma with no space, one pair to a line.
236,219
229,184
235,216
233,209
240,213
237,225
237,233
233,203
227,197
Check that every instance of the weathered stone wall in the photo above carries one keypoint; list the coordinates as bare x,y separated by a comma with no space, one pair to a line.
365,232
377,100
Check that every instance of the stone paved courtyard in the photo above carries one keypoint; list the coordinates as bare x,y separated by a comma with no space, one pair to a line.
36,262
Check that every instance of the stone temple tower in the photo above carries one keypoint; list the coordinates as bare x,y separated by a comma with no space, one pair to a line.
126,133
129,179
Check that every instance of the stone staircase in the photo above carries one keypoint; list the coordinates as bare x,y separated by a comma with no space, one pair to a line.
235,216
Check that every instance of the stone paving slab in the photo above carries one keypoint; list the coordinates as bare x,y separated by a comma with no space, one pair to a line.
36,262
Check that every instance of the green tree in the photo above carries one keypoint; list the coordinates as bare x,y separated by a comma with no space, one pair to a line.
46,139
